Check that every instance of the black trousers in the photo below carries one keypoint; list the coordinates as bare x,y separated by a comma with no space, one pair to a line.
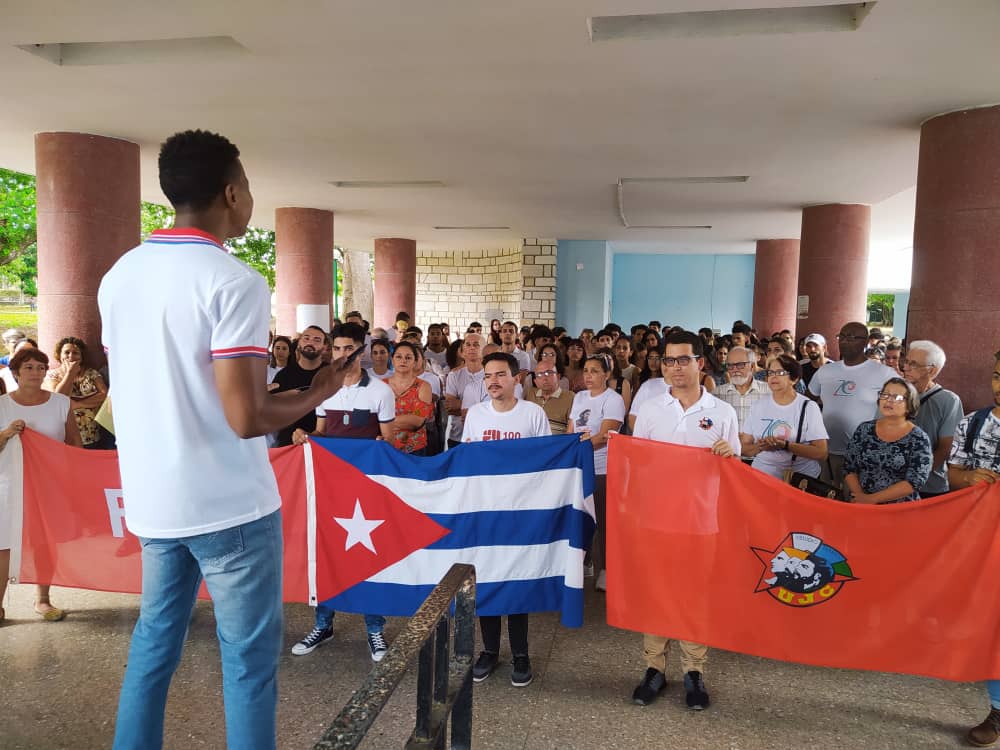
517,632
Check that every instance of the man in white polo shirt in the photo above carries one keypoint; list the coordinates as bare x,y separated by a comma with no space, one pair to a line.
186,328
504,417
687,415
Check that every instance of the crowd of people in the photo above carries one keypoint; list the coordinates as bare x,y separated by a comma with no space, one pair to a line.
873,427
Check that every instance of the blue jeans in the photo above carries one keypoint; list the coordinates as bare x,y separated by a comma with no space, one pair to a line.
993,688
324,619
242,569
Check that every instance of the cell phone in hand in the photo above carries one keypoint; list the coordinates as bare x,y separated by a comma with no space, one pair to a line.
353,356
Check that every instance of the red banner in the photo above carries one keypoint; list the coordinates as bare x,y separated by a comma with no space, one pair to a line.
707,549
74,531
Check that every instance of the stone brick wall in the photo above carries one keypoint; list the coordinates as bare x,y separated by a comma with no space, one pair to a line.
538,281
459,287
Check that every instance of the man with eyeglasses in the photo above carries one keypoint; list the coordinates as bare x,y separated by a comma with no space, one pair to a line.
503,416
743,390
546,392
940,409
686,414
848,392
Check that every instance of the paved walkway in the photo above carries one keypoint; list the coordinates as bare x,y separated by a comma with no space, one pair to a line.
59,688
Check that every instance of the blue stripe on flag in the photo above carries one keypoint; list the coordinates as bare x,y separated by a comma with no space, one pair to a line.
491,458
515,527
399,600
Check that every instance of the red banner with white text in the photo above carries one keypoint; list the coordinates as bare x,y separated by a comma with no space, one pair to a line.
706,549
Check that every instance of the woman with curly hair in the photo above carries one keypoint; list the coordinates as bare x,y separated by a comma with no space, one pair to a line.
83,385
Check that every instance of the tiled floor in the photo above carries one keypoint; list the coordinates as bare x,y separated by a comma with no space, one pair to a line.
59,688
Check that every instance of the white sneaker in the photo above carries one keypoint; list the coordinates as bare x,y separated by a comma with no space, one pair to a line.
601,583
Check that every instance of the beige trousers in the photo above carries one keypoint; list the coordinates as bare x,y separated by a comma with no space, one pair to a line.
656,648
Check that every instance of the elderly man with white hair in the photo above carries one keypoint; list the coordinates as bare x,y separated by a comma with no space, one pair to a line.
940,409
743,390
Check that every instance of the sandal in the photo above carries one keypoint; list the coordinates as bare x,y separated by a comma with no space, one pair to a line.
52,614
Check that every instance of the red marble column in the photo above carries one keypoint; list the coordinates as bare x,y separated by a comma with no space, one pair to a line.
833,268
88,205
395,279
954,297
775,285
303,273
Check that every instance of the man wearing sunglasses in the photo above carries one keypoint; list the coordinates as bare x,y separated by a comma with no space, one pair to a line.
686,414
848,392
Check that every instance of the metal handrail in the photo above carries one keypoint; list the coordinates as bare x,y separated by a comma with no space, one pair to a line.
444,679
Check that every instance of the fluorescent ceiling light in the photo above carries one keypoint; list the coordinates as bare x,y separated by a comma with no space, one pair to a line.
686,180
716,23
471,227
388,183
145,51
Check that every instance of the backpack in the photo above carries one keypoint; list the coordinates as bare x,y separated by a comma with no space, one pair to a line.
975,427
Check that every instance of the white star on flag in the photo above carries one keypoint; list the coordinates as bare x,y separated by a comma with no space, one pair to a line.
359,529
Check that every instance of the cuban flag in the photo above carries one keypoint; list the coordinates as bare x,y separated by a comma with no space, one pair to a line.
384,527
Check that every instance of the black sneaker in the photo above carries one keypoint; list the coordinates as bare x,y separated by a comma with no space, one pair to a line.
484,666
377,645
311,642
521,675
653,683
695,693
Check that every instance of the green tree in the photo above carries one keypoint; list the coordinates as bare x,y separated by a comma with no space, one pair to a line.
18,234
256,249
881,308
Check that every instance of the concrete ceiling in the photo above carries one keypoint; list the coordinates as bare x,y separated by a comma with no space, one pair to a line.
527,122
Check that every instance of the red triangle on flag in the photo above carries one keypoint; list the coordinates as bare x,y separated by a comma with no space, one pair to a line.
362,526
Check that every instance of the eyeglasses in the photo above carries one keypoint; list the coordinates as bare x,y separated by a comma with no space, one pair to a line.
737,365
545,373
909,364
653,358
548,354
776,373
683,361
842,337
892,397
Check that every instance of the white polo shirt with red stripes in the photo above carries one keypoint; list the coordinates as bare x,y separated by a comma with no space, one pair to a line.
169,308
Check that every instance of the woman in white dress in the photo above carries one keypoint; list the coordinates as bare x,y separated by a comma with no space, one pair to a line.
45,412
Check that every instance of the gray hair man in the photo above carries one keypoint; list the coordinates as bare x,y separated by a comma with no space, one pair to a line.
940,409
743,390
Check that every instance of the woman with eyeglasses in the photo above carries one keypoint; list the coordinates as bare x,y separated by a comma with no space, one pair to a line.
889,459
598,411
786,430
576,355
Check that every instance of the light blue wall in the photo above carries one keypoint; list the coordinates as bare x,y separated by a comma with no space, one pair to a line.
582,294
686,290
900,308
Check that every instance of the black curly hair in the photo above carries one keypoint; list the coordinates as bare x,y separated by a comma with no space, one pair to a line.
195,167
